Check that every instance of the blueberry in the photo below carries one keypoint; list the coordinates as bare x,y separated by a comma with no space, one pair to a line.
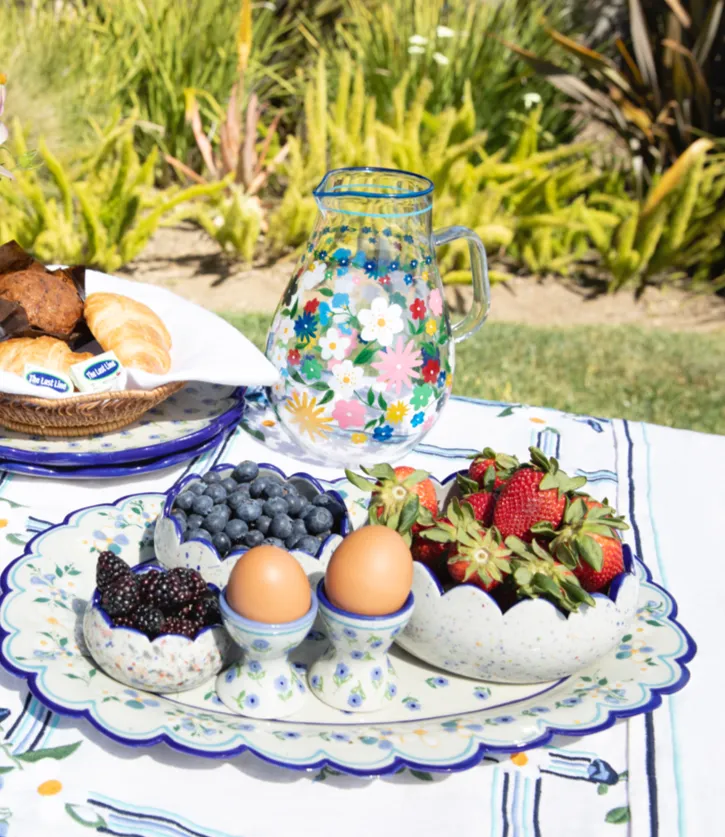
238,496
273,489
262,524
181,518
290,489
277,505
273,542
214,522
245,471
308,544
223,508
296,504
194,521
256,489
298,527
203,505
253,538
212,477
249,510
281,526
236,530
332,504
293,540
229,485
222,543
216,492
198,533
318,520
197,488
184,501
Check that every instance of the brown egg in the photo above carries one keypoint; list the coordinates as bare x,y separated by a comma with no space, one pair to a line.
268,585
370,573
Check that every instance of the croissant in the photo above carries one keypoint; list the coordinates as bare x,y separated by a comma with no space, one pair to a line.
131,330
40,351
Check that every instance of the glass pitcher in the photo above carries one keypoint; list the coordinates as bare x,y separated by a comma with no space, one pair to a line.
362,336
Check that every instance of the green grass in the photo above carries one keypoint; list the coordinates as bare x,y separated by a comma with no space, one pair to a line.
675,379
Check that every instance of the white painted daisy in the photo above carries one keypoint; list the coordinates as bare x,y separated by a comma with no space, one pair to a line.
334,345
346,377
314,274
279,356
285,330
381,322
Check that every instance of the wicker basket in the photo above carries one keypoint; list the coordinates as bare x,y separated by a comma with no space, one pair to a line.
80,415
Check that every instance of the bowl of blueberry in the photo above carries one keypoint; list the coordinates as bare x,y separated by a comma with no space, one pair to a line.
155,629
210,520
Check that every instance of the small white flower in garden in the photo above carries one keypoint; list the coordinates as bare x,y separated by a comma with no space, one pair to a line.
334,345
381,322
531,100
445,32
218,221
441,59
346,377
415,50
417,40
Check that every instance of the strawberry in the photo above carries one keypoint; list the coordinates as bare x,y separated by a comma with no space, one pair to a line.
535,493
477,555
428,552
490,469
482,503
401,498
588,541
537,574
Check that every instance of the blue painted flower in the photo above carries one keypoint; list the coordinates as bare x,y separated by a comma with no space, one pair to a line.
251,701
539,710
366,230
395,631
316,681
504,719
408,278
382,434
349,633
428,259
376,643
600,771
357,655
340,301
339,736
474,727
260,644
417,419
440,682
384,744
571,701
413,705
281,683
394,265
359,259
341,670
376,675
324,312
229,676
370,267
413,264
372,239
392,690
242,727
300,686
310,247
387,232
344,228
354,700
408,239
290,735
305,326
481,694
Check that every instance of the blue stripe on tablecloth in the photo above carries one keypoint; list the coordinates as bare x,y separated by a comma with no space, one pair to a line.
651,763
663,577
537,807
504,804
123,815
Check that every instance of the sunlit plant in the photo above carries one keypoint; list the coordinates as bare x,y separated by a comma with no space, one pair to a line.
3,130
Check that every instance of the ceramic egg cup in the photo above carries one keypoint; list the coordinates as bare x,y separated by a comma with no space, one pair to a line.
264,684
201,555
168,663
463,630
355,673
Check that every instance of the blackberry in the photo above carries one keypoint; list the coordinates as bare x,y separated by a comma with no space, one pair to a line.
146,583
109,568
192,581
169,593
194,612
149,619
121,598
177,625
213,615
128,621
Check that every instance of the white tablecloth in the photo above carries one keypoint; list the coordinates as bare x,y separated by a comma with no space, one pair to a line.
662,769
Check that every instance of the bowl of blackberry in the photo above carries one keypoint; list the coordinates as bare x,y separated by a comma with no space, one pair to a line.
210,520
154,629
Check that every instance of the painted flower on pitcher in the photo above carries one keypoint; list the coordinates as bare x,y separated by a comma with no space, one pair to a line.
382,433
307,416
279,356
346,377
285,330
435,302
306,326
349,414
397,365
421,396
311,369
314,275
417,309
293,357
431,327
396,412
334,345
431,369
381,322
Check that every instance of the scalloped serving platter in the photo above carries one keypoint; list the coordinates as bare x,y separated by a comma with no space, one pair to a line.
435,721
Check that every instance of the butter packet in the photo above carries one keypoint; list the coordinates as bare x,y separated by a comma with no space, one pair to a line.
101,373
48,379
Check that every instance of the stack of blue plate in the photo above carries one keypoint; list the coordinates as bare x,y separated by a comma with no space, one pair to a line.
194,420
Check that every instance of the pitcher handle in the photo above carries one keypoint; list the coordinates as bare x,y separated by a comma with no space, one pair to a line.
476,317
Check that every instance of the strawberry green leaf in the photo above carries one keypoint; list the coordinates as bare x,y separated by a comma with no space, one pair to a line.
590,551
409,515
358,481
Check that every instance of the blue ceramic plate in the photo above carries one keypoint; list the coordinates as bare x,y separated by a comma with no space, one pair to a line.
192,416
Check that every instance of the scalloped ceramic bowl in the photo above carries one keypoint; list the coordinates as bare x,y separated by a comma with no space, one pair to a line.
200,554
169,663
465,632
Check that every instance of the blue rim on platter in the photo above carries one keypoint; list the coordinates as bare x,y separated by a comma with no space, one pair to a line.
128,469
338,743
184,442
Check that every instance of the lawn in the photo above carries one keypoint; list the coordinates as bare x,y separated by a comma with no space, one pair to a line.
676,379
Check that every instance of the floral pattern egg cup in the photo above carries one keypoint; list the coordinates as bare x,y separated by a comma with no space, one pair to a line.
168,663
355,673
264,684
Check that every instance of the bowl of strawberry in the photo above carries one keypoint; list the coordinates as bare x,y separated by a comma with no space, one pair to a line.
209,520
154,629
520,576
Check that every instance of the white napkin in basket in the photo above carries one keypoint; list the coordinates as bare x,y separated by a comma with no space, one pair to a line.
204,347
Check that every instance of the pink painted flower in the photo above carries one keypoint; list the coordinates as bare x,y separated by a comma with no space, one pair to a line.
349,414
428,423
435,302
397,365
